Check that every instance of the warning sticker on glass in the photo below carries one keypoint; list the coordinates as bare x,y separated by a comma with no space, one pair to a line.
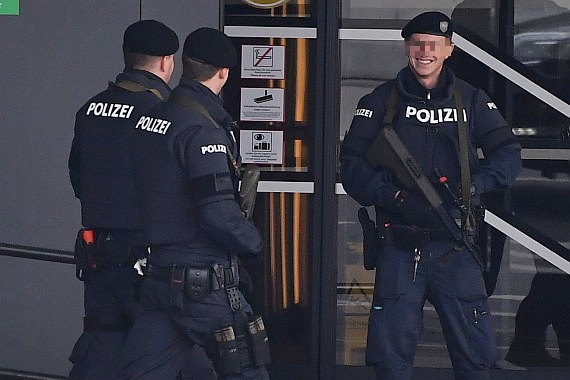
261,147
262,104
266,62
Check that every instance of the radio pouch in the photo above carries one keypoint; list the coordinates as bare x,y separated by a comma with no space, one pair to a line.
197,283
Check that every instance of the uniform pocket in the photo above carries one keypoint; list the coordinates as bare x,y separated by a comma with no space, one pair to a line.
480,331
394,272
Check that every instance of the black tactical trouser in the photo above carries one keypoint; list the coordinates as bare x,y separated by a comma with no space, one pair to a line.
162,335
110,303
453,282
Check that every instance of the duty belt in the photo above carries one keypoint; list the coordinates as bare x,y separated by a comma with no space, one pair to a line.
196,282
416,233
221,277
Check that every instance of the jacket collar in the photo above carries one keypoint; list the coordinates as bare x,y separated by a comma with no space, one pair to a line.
147,79
410,87
213,103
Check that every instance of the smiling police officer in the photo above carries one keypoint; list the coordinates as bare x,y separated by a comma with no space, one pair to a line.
187,160
101,173
441,120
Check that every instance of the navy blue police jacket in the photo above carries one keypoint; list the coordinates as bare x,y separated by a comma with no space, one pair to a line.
100,161
187,182
426,122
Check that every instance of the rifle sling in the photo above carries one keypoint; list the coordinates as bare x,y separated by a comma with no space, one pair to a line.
131,86
200,109
462,130
414,170
392,100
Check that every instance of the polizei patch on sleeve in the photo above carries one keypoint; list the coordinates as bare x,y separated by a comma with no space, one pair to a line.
213,148
363,112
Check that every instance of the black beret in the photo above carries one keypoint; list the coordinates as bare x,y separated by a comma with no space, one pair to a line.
150,37
435,23
210,46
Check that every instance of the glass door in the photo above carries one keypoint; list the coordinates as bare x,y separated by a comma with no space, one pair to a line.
272,96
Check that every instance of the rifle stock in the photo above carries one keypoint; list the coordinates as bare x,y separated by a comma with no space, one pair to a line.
388,151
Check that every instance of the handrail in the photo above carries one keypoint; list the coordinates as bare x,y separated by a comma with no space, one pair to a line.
529,237
13,374
44,254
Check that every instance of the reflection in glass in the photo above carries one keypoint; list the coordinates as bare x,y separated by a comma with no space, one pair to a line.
542,43
282,290
354,287
539,323
547,305
364,66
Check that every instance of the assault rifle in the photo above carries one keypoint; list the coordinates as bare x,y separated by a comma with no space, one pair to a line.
248,189
388,151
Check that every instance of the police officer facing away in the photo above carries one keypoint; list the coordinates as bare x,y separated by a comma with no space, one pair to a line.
101,173
417,258
186,160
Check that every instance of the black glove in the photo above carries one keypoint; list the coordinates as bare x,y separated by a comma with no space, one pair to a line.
414,210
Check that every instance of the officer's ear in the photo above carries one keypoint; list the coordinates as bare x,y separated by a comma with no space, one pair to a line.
450,46
166,67
224,73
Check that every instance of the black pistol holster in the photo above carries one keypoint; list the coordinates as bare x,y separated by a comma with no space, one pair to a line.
371,239
86,254
99,248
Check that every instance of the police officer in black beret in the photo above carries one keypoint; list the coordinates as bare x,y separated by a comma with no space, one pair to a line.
101,172
187,161
418,259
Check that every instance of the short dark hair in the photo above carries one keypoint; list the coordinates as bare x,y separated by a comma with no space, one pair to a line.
138,60
197,70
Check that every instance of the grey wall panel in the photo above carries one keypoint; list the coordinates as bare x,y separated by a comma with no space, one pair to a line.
41,315
183,16
54,56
